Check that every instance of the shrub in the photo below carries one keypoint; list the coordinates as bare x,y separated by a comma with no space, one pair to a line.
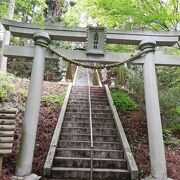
168,137
55,99
122,100
3,94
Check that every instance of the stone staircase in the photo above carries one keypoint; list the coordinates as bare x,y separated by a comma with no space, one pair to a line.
73,154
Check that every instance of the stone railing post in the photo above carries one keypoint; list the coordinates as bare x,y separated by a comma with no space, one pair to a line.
156,146
28,137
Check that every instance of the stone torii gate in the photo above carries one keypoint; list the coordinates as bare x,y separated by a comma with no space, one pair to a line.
43,35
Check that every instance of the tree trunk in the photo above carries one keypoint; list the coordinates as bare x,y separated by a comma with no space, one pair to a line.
6,38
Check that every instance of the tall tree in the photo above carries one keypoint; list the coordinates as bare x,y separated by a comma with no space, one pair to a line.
162,15
6,39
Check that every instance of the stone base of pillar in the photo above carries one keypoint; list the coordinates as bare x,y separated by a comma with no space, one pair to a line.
151,178
29,177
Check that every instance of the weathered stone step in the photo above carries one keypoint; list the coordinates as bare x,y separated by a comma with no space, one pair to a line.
97,88
86,144
86,110
76,115
87,124
99,103
74,144
107,145
86,162
70,173
109,174
83,130
76,119
86,106
75,137
97,153
84,173
78,99
97,111
78,110
99,100
87,137
78,106
77,102
99,107
75,124
86,115
102,115
76,130
104,131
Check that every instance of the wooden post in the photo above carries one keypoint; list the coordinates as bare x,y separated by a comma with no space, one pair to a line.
156,146
28,137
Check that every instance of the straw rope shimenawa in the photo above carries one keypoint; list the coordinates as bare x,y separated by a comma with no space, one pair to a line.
94,66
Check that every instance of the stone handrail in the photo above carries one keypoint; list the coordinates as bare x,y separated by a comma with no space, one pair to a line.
54,142
132,167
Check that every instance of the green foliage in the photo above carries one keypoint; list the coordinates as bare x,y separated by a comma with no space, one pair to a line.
178,110
8,87
95,78
55,99
3,6
169,86
69,73
168,137
122,100
133,14
3,94
120,74
26,10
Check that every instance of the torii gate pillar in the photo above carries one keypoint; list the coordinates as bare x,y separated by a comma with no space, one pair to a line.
28,137
156,146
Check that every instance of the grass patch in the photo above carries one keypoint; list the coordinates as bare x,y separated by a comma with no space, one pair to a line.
55,99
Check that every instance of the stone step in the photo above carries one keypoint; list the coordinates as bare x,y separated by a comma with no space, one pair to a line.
86,120
86,162
74,144
78,106
76,115
84,173
99,100
109,174
87,137
97,153
75,137
70,173
86,106
83,130
86,144
76,102
78,110
99,103
86,115
107,145
86,110
87,124
76,130
76,119
102,115
97,111
70,124
78,99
